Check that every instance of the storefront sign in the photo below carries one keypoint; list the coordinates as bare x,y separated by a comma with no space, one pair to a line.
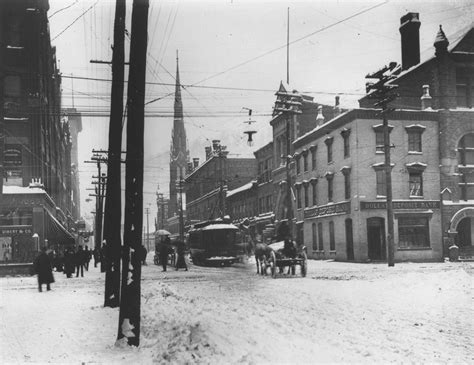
339,208
15,230
405,204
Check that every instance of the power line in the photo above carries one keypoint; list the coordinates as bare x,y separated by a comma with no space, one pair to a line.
75,20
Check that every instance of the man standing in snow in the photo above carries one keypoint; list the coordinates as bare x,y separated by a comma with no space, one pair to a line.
44,270
80,260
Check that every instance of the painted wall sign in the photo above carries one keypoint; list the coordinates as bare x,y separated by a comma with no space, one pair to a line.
14,230
333,209
405,204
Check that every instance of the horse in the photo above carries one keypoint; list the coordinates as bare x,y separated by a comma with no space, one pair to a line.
262,253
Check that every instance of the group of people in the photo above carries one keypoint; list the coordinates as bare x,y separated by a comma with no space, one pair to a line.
166,249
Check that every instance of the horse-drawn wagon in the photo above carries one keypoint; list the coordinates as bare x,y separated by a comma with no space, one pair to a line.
281,254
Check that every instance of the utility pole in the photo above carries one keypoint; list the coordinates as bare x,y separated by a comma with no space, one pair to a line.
129,317
2,109
181,218
382,91
113,202
100,194
147,212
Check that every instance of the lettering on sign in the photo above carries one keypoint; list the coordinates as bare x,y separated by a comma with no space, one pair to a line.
15,230
333,209
406,204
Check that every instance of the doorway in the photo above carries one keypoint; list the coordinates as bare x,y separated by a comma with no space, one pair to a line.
376,238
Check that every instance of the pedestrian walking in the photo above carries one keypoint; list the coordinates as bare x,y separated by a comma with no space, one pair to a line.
69,264
181,261
79,260
87,257
142,254
164,251
44,270
96,254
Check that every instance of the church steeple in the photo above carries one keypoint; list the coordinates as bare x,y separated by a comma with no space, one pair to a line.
179,154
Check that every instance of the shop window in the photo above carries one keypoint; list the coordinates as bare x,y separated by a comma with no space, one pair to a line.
314,237
413,232
320,237
332,239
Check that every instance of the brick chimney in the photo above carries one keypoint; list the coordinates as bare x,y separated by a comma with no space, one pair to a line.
208,152
410,32
320,117
195,162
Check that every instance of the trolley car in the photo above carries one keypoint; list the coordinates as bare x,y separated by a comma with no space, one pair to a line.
215,243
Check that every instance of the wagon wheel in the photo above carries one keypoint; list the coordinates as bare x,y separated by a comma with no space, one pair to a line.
304,264
272,261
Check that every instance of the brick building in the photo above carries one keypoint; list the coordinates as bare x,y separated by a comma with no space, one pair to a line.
37,197
343,185
206,184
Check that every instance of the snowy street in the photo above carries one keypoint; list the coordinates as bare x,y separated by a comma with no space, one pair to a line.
341,312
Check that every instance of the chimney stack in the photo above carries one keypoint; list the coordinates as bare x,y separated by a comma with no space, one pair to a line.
190,167
426,98
410,32
195,162
337,108
216,144
208,152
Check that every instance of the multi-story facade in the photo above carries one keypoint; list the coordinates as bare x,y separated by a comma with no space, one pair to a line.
207,184
344,184
37,203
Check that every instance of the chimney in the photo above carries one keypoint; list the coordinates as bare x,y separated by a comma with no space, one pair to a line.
190,167
195,162
320,117
208,152
410,32
337,108
216,144
426,98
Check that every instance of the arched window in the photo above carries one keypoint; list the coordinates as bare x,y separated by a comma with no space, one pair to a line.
466,166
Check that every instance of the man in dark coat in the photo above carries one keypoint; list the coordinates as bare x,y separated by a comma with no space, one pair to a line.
142,254
181,262
87,257
164,250
44,270
69,264
80,261
96,254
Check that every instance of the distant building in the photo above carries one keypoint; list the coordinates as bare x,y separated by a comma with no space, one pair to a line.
37,206
206,185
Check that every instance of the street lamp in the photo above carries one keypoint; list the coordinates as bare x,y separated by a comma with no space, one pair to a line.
36,241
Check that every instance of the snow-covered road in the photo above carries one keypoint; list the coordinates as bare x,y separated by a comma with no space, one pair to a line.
341,312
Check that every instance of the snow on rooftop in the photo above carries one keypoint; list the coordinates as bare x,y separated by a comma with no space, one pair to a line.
219,226
22,190
240,189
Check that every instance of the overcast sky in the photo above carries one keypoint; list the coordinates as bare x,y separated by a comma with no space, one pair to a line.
231,44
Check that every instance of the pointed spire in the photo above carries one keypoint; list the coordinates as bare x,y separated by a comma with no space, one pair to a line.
441,42
178,104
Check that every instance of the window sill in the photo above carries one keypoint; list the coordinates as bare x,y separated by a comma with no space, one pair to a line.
415,152
379,152
417,197
414,249
381,197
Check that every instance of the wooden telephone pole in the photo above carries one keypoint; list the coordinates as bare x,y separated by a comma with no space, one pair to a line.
129,317
113,201
382,91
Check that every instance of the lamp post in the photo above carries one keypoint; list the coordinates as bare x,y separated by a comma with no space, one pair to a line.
36,241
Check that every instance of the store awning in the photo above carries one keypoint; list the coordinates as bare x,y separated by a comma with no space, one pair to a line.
56,233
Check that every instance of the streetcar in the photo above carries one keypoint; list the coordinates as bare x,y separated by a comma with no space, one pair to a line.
215,243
